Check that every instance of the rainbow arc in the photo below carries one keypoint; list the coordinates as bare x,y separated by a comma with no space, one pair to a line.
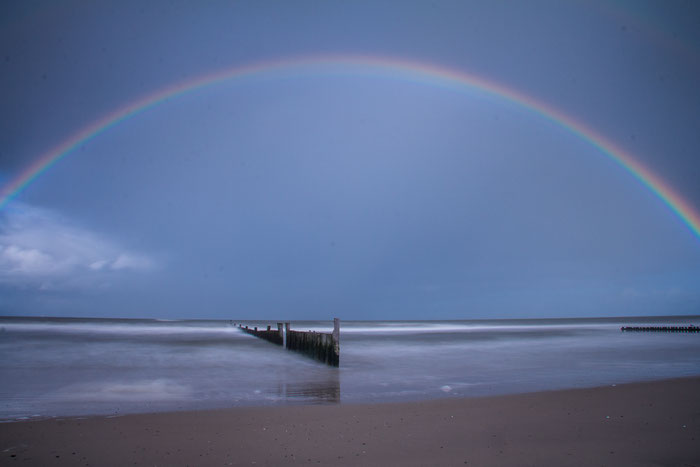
415,71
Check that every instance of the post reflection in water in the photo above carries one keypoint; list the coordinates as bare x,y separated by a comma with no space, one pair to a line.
322,389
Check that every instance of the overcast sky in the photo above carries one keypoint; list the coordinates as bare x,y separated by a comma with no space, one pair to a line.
349,194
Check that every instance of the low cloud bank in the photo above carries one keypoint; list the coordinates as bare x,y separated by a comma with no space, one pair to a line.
41,249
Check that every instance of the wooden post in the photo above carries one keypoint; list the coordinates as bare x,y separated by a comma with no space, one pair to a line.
287,326
336,338
280,330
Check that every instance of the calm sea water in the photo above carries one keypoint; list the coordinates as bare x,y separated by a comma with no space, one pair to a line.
56,367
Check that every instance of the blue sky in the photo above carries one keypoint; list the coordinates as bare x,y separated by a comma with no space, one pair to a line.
348,194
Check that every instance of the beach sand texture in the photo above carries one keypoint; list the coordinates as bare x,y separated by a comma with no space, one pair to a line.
641,424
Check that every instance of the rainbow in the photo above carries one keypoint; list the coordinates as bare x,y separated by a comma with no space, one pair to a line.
394,68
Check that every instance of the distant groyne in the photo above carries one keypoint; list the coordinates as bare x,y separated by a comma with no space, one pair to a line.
324,347
690,328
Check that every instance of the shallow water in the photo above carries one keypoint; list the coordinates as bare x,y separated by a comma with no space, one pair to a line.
55,367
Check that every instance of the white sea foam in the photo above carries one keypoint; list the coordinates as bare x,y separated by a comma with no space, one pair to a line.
450,328
138,391
125,329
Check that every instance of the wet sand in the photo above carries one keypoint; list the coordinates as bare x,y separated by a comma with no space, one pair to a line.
640,424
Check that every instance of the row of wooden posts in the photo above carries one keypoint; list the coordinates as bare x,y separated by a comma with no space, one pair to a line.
690,328
321,346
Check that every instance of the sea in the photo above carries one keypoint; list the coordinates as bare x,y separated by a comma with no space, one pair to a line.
58,367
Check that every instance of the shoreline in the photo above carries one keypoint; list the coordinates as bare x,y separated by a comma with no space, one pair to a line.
324,403
275,405
642,423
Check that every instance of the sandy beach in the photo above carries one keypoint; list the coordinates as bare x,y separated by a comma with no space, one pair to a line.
641,424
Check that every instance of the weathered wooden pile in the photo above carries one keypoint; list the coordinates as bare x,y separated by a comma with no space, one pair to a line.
690,328
275,337
317,345
321,346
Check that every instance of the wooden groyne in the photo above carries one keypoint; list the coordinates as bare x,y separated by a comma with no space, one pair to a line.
690,328
321,346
